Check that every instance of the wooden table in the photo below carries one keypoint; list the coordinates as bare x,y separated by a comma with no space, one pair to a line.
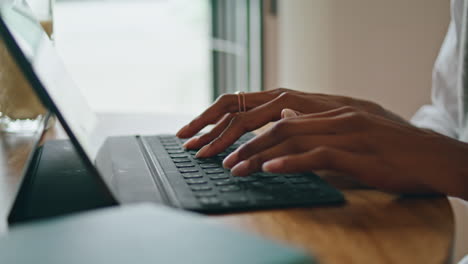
373,227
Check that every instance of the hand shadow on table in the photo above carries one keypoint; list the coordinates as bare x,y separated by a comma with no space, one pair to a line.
342,181
345,182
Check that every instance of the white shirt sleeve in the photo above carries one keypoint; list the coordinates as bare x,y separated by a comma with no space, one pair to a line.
443,114
464,260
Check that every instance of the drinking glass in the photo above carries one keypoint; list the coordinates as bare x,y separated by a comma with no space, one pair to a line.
44,12
20,109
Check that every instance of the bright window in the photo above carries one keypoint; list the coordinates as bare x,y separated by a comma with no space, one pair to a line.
136,55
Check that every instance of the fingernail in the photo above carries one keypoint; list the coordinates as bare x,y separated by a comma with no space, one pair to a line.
180,131
287,113
202,152
189,144
241,169
271,165
231,160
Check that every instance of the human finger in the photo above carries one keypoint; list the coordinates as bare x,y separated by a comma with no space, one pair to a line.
330,122
227,103
323,158
243,123
197,142
294,145
288,113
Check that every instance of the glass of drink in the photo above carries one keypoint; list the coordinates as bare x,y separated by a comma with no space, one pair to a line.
44,12
20,109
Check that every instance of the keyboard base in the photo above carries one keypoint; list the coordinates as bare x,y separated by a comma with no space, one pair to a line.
203,185
58,183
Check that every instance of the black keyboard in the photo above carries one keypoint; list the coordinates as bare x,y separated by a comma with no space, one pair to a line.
204,185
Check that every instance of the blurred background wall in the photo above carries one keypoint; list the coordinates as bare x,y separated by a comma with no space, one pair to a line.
382,50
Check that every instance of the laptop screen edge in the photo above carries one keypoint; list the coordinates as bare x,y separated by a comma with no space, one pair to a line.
28,71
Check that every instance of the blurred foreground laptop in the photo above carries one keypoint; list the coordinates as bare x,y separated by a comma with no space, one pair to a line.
127,234
100,170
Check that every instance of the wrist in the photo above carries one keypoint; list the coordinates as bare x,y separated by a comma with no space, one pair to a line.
455,181
459,187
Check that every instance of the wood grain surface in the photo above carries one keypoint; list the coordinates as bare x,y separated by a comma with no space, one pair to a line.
373,227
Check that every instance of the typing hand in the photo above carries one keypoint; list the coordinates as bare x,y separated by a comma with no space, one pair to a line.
262,108
376,151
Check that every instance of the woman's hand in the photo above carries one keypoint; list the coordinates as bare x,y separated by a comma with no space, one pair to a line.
377,151
262,107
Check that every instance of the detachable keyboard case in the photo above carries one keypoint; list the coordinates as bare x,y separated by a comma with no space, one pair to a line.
56,183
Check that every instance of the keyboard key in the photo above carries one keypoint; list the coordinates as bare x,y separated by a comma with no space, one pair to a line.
214,171
293,175
192,175
207,201
224,182
257,184
185,165
195,181
187,170
205,194
203,161
276,189
275,181
169,141
247,179
262,197
219,176
166,137
232,148
306,187
300,180
238,200
210,165
181,160
265,175
173,147
177,154
230,188
171,144
201,188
